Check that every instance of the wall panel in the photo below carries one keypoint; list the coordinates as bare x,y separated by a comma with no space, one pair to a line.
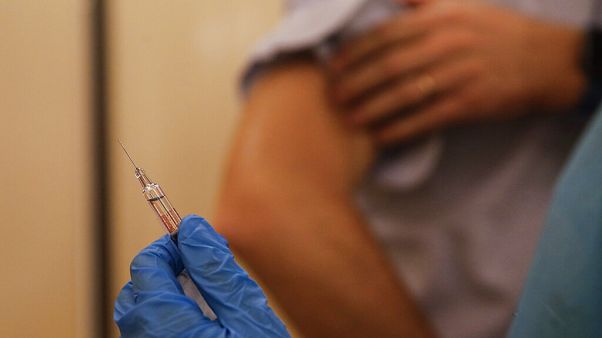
46,285
173,102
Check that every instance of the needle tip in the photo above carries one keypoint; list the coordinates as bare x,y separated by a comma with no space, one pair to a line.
126,153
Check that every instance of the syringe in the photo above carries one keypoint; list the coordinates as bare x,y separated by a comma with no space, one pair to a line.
157,199
170,219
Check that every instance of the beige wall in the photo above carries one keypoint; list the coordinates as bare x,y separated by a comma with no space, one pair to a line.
174,66
45,260
173,102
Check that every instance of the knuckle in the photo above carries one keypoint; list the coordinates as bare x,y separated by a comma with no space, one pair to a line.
149,256
137,261
141,258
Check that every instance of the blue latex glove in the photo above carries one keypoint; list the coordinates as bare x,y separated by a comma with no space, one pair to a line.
153,304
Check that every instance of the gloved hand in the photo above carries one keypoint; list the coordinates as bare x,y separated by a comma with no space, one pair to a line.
153,304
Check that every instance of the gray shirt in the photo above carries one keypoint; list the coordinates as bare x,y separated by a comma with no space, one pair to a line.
459,213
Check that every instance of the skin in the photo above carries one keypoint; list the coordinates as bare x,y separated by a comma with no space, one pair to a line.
287,208
286,203
448,62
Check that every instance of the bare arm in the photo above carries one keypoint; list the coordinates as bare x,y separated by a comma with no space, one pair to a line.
287,207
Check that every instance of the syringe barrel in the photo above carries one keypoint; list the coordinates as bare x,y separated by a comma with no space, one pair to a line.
170,219
167,214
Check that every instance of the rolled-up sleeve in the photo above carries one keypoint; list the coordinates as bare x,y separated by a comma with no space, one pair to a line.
313,25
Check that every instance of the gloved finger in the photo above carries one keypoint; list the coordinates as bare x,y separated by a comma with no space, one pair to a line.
125,301
168,315
155,269
238,301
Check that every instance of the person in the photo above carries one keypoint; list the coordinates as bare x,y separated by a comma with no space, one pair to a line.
470,114
456,213
153,304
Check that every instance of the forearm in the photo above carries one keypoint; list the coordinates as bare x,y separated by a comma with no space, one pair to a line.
322,266
315,256
297,226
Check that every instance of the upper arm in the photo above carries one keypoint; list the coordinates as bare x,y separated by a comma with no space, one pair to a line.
287,207
291,126
290,145
284,154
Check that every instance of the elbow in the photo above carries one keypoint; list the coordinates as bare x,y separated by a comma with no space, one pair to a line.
245,217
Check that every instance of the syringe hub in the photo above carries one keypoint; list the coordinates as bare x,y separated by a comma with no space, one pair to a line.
142,178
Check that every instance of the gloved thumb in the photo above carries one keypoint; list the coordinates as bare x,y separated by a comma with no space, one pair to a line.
236,299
